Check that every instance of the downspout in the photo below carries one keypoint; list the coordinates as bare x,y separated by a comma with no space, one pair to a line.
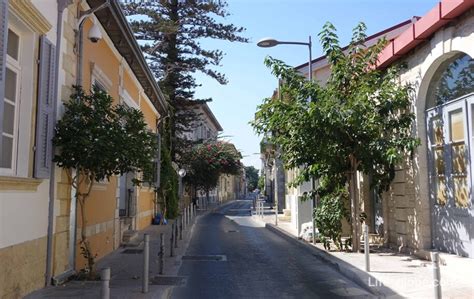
62,4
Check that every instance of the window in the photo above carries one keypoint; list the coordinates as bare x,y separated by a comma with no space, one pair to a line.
11,103
448,133
99,80
454,79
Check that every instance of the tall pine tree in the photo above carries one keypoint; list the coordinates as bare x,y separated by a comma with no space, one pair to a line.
169,32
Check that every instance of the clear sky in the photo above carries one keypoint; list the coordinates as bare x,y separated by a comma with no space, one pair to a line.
250,81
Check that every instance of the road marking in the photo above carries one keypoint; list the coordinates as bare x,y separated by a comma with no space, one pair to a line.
205,258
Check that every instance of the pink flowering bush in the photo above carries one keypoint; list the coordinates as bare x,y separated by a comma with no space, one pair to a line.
207,161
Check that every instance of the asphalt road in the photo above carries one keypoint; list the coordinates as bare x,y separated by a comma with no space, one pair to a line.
255,262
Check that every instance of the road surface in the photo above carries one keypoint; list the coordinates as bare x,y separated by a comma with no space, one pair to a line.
232,256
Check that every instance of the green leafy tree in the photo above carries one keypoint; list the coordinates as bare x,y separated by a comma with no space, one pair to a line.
208,161
168,191
251,174
359,120
99,140
170,35
261,183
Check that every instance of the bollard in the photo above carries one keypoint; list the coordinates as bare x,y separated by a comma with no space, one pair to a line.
172,240
176,233
146,262
161,254
105,278
185,217
366,248
189,214
181,227
436,275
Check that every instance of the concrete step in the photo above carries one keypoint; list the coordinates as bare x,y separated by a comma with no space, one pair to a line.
129,236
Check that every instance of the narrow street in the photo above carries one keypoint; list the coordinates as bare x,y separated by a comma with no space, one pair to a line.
254,262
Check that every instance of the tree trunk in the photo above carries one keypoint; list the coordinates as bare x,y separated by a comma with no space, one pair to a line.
85,245
207,198
354,204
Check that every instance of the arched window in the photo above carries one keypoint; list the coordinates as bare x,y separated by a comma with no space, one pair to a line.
453,79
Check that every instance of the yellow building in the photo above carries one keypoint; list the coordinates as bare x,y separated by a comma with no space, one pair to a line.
38,219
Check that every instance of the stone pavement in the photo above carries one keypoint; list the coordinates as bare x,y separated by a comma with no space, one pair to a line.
127,269
392,275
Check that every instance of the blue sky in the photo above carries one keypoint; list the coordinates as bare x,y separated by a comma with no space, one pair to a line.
250,81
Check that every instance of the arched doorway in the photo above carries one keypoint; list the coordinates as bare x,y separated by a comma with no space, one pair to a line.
450,140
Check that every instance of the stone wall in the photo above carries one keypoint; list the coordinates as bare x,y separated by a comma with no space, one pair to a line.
22,268
407,203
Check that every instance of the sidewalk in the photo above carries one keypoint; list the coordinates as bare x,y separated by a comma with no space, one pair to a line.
392,275
127,269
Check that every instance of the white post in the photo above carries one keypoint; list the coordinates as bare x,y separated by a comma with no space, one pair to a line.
146,263
105,278
436,275
366,248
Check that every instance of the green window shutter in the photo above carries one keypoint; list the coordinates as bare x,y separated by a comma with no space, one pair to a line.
3,59
44,112
158,161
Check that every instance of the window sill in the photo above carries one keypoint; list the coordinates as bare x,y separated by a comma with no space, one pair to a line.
8,183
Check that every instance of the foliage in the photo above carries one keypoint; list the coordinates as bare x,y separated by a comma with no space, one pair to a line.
261,182
359,120
168,191
209,160
99,140
170,35
330,211
251,174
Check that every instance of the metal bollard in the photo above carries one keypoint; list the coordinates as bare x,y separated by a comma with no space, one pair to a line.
176,233
185,220
366,248
181,227
189,214
172,240
161,254
105,278
146,263
436,275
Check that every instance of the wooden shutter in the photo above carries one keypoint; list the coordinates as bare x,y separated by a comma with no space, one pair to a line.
158,161
44,111
3,59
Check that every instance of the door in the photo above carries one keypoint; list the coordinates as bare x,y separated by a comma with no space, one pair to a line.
450,140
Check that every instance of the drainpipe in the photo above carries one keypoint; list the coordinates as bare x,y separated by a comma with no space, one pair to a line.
62,4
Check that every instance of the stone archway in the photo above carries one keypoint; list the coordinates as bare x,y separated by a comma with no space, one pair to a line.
443,128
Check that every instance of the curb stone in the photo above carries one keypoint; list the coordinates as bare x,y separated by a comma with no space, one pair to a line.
348,271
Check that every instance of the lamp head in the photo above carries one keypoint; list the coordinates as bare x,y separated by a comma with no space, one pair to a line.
182,172
267,42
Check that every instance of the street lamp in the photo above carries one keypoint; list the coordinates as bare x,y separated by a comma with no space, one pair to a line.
269,42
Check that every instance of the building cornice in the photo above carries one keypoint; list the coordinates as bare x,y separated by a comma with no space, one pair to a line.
29,14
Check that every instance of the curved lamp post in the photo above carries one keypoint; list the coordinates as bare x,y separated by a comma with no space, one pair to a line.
269,42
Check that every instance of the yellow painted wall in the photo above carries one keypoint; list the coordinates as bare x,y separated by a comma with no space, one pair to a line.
145,204
102,204
103,57
149,114
131,87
